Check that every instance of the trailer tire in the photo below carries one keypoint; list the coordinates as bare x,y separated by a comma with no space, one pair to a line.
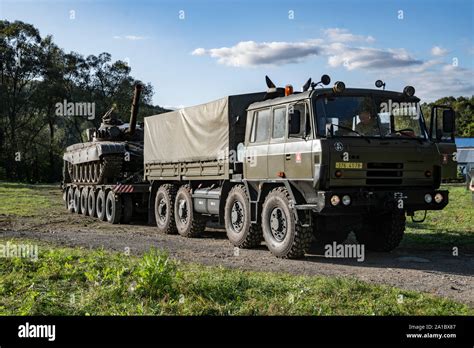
164,209
188,223
284,237
127,209
84,194
113,207
383,233
240,231
100,205
70,199
91,202
77,200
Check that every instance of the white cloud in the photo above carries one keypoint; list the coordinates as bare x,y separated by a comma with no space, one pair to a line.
251,53
438,51
343,35
129,37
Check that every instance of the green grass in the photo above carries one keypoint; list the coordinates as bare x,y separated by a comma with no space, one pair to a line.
452,226
26,200
74,281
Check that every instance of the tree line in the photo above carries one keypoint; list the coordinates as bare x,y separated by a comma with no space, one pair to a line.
36,75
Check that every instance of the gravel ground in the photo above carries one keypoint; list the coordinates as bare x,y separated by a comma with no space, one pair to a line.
433,271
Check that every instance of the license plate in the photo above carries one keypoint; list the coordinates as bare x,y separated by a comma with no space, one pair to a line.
349,165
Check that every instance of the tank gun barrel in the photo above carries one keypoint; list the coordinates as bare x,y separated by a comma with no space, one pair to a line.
134,110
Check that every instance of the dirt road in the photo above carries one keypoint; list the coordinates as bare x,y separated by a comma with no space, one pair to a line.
434,271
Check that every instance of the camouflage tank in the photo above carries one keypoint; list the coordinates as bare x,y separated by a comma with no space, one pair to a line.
113,152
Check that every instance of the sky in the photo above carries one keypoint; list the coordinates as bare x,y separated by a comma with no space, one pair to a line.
200,50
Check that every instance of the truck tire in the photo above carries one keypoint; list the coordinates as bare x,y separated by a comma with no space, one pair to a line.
188,223
382,233
283,236
113,207
70,199
91,201
77,200
100,205
240,232
84,194
164,209
127,209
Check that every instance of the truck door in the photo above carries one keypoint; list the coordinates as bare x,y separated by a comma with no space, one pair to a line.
276,146
442,128
257,147
298,146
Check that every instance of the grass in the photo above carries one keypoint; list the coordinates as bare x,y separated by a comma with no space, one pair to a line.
75,281
452,226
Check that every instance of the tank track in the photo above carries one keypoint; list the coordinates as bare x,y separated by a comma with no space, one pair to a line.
98,172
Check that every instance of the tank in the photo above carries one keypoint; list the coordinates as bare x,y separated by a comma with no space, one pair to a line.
113,152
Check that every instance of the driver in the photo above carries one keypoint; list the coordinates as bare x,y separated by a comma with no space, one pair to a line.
367,125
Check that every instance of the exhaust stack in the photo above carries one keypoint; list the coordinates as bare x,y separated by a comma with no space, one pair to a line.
134,110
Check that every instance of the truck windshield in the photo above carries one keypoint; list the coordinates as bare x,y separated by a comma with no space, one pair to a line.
368,116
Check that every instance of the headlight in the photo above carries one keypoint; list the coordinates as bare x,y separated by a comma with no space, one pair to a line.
346,199
428,198
335,200
438,198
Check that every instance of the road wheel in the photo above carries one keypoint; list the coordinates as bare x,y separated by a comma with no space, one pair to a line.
383,232
84,194
283,236
91,201
77,200
164,209
70,199
127,208
100,205
113,207
240,231
188,223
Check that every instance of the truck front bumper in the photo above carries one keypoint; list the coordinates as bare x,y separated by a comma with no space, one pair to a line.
363,201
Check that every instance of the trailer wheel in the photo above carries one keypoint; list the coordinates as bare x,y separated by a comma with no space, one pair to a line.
77,200
84,194
127,209
382,233
164,209
283,236
100,205
91,201
188,223
113,207
240,231
70,199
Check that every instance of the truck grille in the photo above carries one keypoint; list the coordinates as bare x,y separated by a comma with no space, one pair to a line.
380,173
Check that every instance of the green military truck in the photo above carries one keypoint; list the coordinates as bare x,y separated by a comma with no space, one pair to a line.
292,168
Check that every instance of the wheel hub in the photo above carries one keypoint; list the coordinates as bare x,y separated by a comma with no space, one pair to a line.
278,224
237,216
183,211
162,210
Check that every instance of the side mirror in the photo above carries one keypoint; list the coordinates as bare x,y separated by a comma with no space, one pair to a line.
448,121
294,124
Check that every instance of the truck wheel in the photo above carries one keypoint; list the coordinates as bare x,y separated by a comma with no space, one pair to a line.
70,200
84,194
283,236
383,233
127,209
91,200
188,223
113,207
100,205
240,231
77,200
164,209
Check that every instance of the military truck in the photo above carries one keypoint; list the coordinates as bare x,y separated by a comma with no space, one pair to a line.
292,167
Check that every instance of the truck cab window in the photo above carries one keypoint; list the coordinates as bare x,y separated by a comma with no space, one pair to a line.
260,126
298,120
279,122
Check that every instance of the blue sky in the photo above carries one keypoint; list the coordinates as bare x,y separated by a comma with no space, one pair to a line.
227,47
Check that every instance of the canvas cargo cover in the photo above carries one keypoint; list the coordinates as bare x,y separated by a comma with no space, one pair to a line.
197,133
